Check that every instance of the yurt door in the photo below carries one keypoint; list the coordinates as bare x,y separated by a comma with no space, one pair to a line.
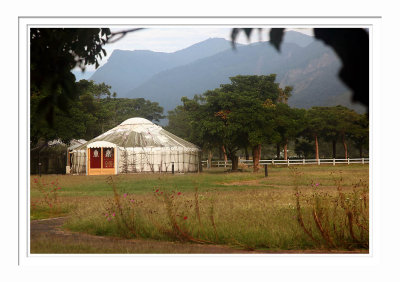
101,161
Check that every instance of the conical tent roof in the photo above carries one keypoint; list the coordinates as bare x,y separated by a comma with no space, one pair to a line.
140,132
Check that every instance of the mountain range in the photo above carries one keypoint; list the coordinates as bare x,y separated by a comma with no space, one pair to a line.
303,62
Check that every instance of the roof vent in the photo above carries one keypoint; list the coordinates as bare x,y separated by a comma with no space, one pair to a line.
136,121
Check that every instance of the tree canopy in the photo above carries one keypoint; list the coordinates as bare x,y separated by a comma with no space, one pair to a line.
234,116
251,111
54,52
94,111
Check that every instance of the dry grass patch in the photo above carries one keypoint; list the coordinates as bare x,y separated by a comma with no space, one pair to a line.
240,210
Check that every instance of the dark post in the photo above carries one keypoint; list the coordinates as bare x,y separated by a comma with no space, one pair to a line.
173,168
266,170
39,164
200,162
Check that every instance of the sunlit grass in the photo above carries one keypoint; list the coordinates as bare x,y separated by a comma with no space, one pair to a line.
82,185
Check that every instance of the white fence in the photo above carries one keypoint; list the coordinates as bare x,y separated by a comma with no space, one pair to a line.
289,162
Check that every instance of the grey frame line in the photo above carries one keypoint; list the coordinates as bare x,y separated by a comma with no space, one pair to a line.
227,25
148,17
27,145
371,115
201,17
18,154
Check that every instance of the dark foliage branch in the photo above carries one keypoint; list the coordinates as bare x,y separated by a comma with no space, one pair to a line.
54,52
350,44
116,36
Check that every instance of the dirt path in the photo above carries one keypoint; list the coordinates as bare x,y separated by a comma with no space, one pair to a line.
48,237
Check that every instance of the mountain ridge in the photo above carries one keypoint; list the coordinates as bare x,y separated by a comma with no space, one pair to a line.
303,62
211,72
126,69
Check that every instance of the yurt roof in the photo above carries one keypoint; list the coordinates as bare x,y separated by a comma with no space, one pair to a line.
75,143
139,132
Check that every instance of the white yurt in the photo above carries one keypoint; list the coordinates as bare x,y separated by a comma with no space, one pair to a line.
136,145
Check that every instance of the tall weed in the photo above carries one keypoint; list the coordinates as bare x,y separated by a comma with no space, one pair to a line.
334,221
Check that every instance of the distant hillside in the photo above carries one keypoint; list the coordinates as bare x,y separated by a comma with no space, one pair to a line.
298,38
307,64
312,71
126,70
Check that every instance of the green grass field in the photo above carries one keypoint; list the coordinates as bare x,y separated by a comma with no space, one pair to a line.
297,208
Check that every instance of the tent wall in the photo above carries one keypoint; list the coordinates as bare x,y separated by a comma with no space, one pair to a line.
131,160
135,160
78,162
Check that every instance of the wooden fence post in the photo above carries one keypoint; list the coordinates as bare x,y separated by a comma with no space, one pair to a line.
333,161
304,161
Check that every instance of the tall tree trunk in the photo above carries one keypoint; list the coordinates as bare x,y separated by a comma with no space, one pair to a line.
225,156
316,147
246,151
235,162
209,158
334,149
345,147
256,157
285,149
278,151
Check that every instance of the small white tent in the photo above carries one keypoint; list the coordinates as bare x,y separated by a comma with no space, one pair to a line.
136,145
73,144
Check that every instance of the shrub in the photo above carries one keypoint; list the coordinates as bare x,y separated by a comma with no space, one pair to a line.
339,221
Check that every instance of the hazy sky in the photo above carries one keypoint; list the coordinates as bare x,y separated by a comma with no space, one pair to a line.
174,39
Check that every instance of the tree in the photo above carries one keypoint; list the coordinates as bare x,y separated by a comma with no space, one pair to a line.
123,108
256,94
234,116
314,126
285,94
179,122
346,125
360,133
222,123
202,125
288,123
303,148
93,112
339,122
261,87
331,131
76,123
54,52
